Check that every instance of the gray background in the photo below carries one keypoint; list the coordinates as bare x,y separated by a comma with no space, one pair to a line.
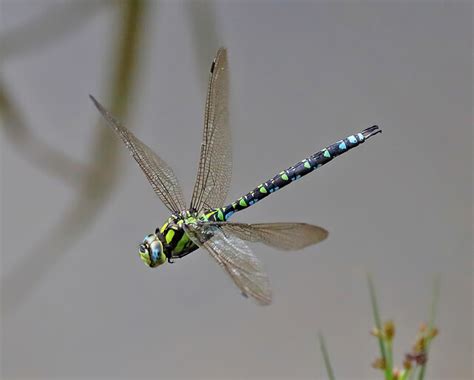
303,75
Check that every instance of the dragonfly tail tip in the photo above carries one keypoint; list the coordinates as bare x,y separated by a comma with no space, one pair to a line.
372,131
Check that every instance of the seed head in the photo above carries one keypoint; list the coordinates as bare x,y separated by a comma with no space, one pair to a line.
376,332
378,363
433,332
407,364
389,329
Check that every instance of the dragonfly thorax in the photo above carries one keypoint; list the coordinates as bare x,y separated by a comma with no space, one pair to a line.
171,241
175,241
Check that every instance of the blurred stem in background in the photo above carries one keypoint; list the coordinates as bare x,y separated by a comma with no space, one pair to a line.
414,365
432,331
202,19
384,363
327,361
54,23
98,181
36,151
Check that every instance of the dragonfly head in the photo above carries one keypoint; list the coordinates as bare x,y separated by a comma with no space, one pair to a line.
151,251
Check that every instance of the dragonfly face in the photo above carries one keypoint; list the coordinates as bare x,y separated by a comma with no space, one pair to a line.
151,251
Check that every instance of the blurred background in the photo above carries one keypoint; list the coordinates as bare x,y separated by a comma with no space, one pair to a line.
77,302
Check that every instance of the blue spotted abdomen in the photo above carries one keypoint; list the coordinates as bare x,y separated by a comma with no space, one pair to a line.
296,171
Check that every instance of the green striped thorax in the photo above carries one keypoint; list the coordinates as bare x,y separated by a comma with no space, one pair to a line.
171,241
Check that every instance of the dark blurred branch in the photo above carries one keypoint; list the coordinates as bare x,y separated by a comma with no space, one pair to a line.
202,18
97,184
35,150
57,21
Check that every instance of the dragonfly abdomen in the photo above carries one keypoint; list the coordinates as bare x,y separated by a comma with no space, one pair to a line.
296,171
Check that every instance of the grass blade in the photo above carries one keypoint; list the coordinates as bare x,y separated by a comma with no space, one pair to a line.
378,325
433,310
327,362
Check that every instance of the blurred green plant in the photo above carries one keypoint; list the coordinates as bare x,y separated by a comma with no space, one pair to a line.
327,361
96,181
414,364
54,22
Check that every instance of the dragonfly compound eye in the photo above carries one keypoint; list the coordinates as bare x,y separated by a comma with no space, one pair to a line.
151,251
156,250
144,253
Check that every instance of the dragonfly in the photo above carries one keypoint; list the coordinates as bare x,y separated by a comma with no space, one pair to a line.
205,223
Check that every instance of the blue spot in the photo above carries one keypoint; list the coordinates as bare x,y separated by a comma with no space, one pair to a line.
360,136
318,165
271,190
251,203
229,214
155,253
298,176
277,188
352,139
342,146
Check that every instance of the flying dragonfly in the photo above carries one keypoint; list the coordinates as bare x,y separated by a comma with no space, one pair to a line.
205,223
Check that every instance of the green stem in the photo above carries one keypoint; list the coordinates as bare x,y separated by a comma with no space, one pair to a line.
433,310
327,362
378,325
98,183
414,372
405,374
388,350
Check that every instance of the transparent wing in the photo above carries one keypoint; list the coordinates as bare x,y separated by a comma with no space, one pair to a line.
215,163
159,174
234,255
283,236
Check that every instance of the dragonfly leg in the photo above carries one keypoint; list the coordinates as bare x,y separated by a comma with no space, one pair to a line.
167,250
179,256
169,258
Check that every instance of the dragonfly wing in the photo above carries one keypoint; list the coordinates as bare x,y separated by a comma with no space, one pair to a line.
283,236
234,255
215,163
159,174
